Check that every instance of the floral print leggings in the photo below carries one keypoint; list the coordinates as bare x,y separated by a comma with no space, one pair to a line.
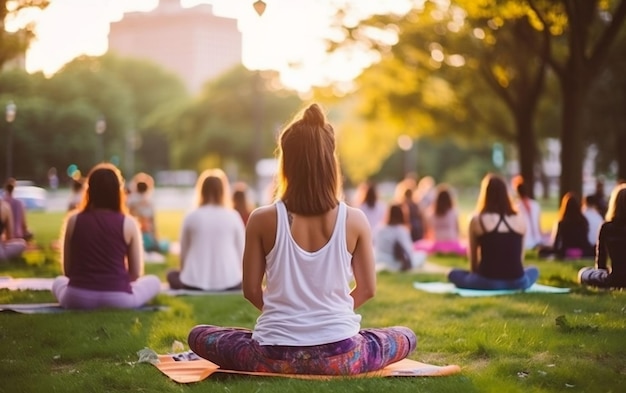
369,350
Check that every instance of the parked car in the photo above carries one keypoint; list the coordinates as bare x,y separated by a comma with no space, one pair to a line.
34,197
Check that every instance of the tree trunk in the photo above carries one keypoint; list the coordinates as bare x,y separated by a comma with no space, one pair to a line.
526,147
572,150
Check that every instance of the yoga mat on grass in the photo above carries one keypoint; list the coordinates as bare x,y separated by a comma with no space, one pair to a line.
187,371
195,292
447,287
53,308
45,284
30,283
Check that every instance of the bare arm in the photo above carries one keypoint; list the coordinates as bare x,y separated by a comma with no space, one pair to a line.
7,218
24,224
474,232
132,235
360,243
254,257
67,242
601,255
185,242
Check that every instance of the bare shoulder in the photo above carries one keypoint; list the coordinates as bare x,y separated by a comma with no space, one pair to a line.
130,223
355,217
262,216
130,220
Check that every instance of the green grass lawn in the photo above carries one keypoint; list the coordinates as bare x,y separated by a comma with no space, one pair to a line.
503,344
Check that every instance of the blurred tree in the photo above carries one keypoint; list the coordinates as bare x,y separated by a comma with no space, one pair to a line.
152,90
605,121
15,43
509,43
102,94
56,125
236,118
440,50
592,27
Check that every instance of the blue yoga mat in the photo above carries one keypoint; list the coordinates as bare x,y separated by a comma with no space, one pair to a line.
447,287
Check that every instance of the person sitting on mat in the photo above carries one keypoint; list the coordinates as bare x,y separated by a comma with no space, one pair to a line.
10,246
496,241
443,235
610,245
570,239
301,255
211,240
141,206
102,251
393,248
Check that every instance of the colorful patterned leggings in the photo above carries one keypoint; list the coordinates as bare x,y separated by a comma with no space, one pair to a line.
370,350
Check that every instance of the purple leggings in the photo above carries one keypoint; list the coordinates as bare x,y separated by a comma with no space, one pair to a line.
369,350
12,248
144,289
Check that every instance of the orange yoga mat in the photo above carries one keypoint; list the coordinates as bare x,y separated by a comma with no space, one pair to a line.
187,371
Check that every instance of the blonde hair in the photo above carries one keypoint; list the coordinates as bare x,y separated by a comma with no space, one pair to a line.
212,187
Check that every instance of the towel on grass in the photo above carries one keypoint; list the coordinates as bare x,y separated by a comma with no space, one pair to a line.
448,287
53,308
187,371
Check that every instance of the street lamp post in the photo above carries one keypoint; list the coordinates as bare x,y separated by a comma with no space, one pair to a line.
101,126
10,112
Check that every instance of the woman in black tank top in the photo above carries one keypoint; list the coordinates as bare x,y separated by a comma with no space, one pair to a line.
610,246
495,250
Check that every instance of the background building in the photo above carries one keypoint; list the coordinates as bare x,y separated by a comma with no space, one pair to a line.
192,42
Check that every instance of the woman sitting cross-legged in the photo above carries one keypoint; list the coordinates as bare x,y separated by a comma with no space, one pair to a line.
211,240
393,247
570,239
496,239
443,235
301,255
611,245
102,251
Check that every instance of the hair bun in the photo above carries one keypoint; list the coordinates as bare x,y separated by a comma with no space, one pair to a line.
313,115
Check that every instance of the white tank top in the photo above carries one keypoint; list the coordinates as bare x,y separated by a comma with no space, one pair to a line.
307,296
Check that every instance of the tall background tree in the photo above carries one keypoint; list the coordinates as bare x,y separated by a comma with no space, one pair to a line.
509,43
592,27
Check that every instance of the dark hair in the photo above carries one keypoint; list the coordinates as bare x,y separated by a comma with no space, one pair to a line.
77,184
395,215
570,210
443,202
309,177
142,187
494,196
591,200
105,189
371,195
9,186
617,205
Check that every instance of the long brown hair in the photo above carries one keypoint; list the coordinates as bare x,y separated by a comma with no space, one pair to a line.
105,189
494,196
443,201
571,210
308,178
617,205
